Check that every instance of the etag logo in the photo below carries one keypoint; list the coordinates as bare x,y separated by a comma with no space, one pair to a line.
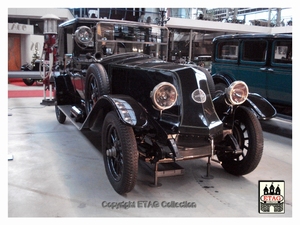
271,197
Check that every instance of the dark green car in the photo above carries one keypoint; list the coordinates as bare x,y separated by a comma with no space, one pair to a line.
263,61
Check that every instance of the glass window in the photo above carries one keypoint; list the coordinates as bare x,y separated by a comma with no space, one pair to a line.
282,52
114,38
228,50
254,50
110,32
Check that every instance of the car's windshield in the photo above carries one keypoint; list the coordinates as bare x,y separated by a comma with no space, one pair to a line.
115,38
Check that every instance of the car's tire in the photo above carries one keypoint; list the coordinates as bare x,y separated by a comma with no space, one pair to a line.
220,88
97,84
248,133
120,153
60,116
28,81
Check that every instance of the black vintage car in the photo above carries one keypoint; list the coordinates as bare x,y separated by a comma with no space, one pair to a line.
114,79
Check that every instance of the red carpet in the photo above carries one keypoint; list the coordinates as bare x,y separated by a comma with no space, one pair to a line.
24,93
16,81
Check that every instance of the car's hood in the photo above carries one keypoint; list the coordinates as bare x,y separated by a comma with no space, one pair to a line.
139,60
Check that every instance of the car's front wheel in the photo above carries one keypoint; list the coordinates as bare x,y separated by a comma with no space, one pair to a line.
249,136
120,153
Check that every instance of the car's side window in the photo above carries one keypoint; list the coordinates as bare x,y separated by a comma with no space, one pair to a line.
254,50
70,44
228,50
282,52
65,41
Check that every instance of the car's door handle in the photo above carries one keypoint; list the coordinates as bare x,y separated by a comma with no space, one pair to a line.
266,69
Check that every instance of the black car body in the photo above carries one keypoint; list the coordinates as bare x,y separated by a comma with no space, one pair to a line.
147,108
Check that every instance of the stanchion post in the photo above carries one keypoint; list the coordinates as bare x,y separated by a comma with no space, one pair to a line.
49,55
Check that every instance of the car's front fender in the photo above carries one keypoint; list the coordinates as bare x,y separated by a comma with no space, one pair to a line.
129,111
263,109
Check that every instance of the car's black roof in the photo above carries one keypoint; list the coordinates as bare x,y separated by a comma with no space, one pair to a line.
252,36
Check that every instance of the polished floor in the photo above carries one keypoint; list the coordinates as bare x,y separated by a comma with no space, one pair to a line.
55,170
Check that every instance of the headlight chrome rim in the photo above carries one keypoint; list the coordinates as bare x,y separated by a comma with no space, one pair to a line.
164,95
237,92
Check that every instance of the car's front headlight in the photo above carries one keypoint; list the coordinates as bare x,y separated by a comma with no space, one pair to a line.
237,92
164,95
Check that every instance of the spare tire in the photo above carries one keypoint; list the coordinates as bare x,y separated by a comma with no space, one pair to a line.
97,85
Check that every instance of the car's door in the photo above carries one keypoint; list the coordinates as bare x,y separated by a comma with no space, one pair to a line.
279,77
253,65
225,59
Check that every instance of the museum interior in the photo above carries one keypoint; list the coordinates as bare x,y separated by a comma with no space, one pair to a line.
164,130
192,29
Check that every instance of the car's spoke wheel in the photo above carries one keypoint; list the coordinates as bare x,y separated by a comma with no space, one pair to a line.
93,91
97,84
120,154
248,134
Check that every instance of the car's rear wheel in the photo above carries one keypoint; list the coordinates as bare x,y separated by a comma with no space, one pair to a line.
248,134
120,153
97,84
60,116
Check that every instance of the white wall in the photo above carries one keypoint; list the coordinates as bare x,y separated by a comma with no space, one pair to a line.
28,43
63,14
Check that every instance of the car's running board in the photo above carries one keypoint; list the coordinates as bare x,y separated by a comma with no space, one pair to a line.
67,110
